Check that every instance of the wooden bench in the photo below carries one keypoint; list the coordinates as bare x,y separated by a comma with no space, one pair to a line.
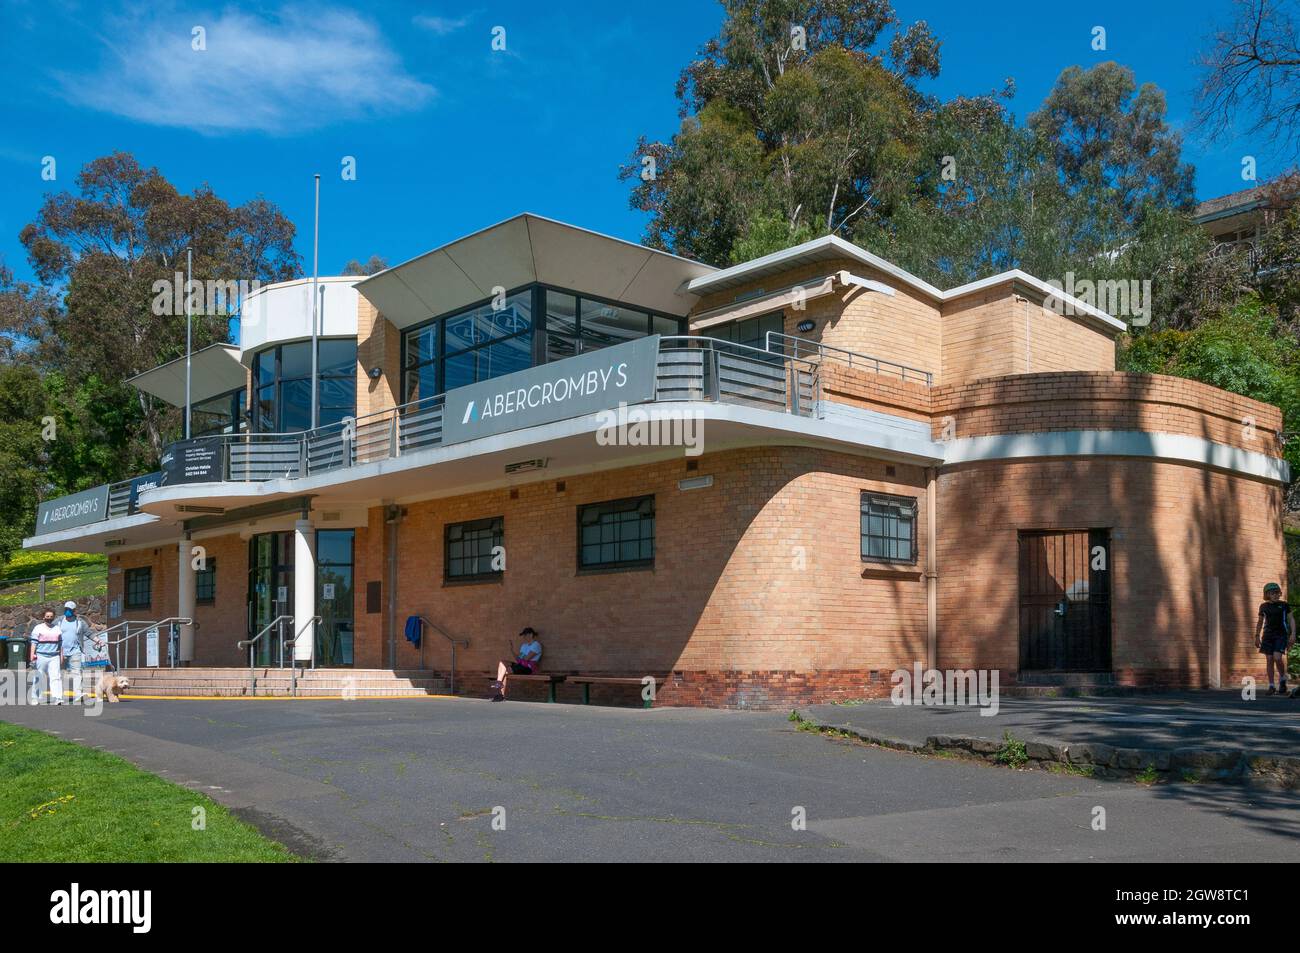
550,681
586,681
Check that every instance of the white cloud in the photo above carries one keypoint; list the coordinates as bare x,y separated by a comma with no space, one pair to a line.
439,25
300,69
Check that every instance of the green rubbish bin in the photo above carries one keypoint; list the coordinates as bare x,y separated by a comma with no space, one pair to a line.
16,648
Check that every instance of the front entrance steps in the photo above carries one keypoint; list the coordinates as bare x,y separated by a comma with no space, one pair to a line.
1047,684
275,682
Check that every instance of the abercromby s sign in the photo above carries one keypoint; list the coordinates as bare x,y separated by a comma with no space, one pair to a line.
68,512
597,380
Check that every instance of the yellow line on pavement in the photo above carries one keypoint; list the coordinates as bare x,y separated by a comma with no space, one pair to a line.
286,698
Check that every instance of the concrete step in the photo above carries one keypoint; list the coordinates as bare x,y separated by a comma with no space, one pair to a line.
224,682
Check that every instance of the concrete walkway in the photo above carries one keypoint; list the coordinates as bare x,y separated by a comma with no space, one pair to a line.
424,779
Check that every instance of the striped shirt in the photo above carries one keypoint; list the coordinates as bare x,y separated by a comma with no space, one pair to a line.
47,639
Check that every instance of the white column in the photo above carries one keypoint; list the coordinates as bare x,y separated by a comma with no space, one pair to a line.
304,589
185,600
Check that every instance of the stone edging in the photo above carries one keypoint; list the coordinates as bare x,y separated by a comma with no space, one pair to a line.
1099,760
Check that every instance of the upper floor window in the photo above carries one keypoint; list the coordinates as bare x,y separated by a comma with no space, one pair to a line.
577,323
751,332
888,528
221,414
282,378
470,346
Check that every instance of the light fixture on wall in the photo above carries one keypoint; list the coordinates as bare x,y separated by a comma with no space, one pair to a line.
806,325
376,372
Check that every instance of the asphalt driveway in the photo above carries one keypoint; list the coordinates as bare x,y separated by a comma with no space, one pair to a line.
466,780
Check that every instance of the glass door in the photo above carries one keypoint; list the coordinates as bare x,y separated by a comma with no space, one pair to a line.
334,634
270,591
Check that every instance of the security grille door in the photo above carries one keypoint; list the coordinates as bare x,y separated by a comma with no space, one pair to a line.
1065,600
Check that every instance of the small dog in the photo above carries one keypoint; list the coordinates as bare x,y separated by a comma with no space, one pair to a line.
110,685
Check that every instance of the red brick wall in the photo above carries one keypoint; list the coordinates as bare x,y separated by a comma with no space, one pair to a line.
1083,400
1171,527
726,594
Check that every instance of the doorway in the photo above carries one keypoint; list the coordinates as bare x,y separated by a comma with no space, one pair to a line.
1065,600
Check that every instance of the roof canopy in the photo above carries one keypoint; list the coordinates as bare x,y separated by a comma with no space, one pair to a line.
214,370
527,249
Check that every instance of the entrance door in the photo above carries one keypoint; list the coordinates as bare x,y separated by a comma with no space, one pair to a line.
334,565
1065,600
270,591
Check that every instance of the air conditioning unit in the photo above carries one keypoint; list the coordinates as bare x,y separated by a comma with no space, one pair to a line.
523,466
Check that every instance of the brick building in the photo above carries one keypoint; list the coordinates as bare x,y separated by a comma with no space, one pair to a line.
825,470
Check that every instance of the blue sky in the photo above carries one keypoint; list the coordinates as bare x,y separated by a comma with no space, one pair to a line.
448,135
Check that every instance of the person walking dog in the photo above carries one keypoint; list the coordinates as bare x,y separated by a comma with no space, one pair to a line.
74,630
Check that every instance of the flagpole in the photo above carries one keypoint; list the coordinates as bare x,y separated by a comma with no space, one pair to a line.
189,334
315,313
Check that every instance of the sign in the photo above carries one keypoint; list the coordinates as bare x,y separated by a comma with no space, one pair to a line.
151,648
282,594
598,380
146,482
327,591
192,461
115,609
68,512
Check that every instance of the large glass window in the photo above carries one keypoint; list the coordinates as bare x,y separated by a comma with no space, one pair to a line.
221,414
888,528
283,378
619,534
481,343
469,549
205,582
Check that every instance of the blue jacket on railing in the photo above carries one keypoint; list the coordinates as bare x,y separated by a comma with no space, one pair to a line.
414,629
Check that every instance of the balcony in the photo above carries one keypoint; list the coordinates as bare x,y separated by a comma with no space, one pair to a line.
782,379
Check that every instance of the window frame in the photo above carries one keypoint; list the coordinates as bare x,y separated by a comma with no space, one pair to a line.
209,570
498,538
129,576
909,503
628,503
278,382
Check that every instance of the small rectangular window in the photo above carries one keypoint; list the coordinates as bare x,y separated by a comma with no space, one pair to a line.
139,587
205,582
619,534
471,549
888,528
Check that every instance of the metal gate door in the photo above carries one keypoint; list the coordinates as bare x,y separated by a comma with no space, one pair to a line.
1065,600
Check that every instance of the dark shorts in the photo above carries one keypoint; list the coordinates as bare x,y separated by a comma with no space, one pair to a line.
1273,645
517,669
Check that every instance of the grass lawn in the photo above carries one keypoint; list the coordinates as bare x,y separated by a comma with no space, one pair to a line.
62,802
70,576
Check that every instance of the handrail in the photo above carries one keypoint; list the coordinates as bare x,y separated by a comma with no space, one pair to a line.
822,350
250,643
454,643
293,665
145,626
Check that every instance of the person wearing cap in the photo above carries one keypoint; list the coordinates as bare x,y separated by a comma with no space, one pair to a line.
527,658
72,631
1274,633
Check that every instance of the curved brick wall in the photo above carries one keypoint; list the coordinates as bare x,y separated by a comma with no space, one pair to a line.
1172,527
1085,400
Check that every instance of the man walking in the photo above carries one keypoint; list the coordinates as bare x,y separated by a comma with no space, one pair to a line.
46,656
73,630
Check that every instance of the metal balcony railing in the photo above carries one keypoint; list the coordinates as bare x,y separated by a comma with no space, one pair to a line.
688,368
815,351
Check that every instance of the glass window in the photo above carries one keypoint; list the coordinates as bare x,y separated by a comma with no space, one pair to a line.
205,582
888,528
751,331
295,406
617,535
422,346
335,635
604,325
667,326
469,549
139,587
222,414
337,358
295,360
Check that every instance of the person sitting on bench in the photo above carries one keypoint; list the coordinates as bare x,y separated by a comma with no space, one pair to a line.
527,659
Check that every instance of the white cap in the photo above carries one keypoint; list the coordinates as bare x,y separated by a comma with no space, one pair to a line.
69,604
